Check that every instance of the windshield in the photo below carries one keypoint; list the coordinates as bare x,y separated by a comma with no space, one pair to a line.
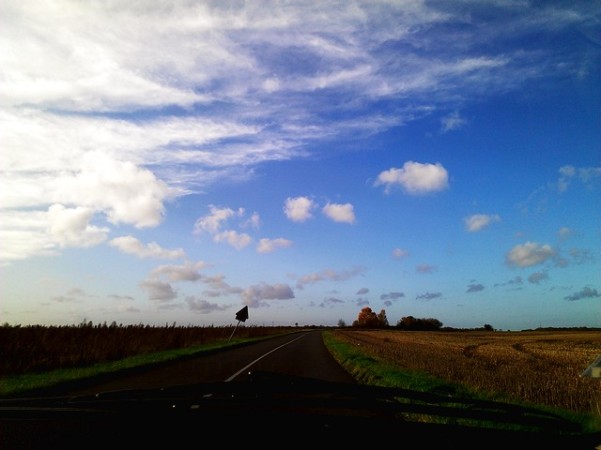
400,194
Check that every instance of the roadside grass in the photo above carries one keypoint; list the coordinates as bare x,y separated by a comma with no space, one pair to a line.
367,369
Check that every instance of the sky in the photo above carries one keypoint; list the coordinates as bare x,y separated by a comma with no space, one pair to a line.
170,162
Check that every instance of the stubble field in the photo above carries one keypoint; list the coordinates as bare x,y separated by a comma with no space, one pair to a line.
537,367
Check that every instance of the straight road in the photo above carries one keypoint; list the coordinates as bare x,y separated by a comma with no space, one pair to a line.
299,354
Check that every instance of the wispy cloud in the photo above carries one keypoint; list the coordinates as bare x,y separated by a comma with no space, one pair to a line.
537,277
159,290
452,121
425,268
478,222
131,245
429,296
584,293
188,271
161,99
201,306
474,287
399,253
392,296
586,175
328,275
270,245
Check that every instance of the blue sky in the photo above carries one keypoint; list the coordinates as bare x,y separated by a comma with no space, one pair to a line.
171,162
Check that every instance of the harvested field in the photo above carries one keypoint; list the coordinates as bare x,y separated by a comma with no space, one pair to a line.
538,367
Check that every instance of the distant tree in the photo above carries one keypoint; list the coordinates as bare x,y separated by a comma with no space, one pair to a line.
488,327
413,324
341,323
383,319
406,323
369,319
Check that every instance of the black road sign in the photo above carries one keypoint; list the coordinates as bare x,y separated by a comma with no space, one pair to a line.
242,315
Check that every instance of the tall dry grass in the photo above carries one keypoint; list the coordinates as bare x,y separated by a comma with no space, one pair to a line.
36,348
539,367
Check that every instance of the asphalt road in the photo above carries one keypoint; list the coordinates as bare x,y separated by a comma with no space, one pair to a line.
299,354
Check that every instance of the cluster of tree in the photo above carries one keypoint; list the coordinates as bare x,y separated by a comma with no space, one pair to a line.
414,324
368,318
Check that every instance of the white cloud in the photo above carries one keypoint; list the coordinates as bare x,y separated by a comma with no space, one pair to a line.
70,227
212,222
478,222
233,238
529,254
218,218
189,271
131,245
158,290
298,209
254,295
63,200
68,54
340,212
123,191
270,245
51,143
415,178
29,233
25,234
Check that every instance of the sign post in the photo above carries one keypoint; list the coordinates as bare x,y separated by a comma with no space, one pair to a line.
594,370
241,316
